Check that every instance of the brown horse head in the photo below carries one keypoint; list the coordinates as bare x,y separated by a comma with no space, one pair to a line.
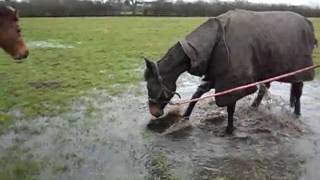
10,33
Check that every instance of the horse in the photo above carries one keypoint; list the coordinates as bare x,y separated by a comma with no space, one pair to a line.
234,49
11,40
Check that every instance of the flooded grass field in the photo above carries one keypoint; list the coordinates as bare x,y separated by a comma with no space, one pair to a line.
76,109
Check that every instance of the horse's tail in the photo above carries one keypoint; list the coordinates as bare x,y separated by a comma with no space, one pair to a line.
312,28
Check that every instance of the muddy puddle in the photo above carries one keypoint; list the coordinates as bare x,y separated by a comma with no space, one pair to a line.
105,137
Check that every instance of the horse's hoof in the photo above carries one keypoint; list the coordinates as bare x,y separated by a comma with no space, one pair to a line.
229,130
186,118
255,105
297,114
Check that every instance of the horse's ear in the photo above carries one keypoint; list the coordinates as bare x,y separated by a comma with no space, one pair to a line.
16,12
149,64
7,11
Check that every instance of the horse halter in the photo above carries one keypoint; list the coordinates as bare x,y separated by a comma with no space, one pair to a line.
164,89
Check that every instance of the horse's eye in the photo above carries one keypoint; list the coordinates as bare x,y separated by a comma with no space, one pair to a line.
19,30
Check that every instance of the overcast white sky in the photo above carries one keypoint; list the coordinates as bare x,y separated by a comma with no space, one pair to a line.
291,2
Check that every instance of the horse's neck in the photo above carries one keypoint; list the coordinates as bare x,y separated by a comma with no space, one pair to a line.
172,68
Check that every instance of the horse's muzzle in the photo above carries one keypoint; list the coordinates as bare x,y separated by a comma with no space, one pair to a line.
155,110
21,51
21,55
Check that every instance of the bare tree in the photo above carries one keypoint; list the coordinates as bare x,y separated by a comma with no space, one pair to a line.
153,8
133,4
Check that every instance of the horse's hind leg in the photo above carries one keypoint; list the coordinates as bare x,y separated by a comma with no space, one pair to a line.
262,91
203,88
230,109
292,97
296,92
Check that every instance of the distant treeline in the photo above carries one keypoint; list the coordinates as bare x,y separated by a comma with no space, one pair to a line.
62,8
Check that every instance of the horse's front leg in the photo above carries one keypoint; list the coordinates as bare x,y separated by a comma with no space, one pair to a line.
203,88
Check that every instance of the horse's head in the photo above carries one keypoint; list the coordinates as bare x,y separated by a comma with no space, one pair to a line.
10,33
160,91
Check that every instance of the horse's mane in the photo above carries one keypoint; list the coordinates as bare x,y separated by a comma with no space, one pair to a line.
148,72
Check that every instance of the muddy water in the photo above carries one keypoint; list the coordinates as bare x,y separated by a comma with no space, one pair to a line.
104,137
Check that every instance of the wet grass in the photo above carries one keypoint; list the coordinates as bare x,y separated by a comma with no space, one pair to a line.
107,52
159,168
316,54
18,165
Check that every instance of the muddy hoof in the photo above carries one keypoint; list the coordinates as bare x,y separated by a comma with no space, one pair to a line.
186,118
297,114
254,105
229,130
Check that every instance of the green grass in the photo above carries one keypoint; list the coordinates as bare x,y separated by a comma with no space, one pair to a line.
316,54
107,51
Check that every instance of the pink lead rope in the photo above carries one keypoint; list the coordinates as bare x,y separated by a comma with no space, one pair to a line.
246,86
